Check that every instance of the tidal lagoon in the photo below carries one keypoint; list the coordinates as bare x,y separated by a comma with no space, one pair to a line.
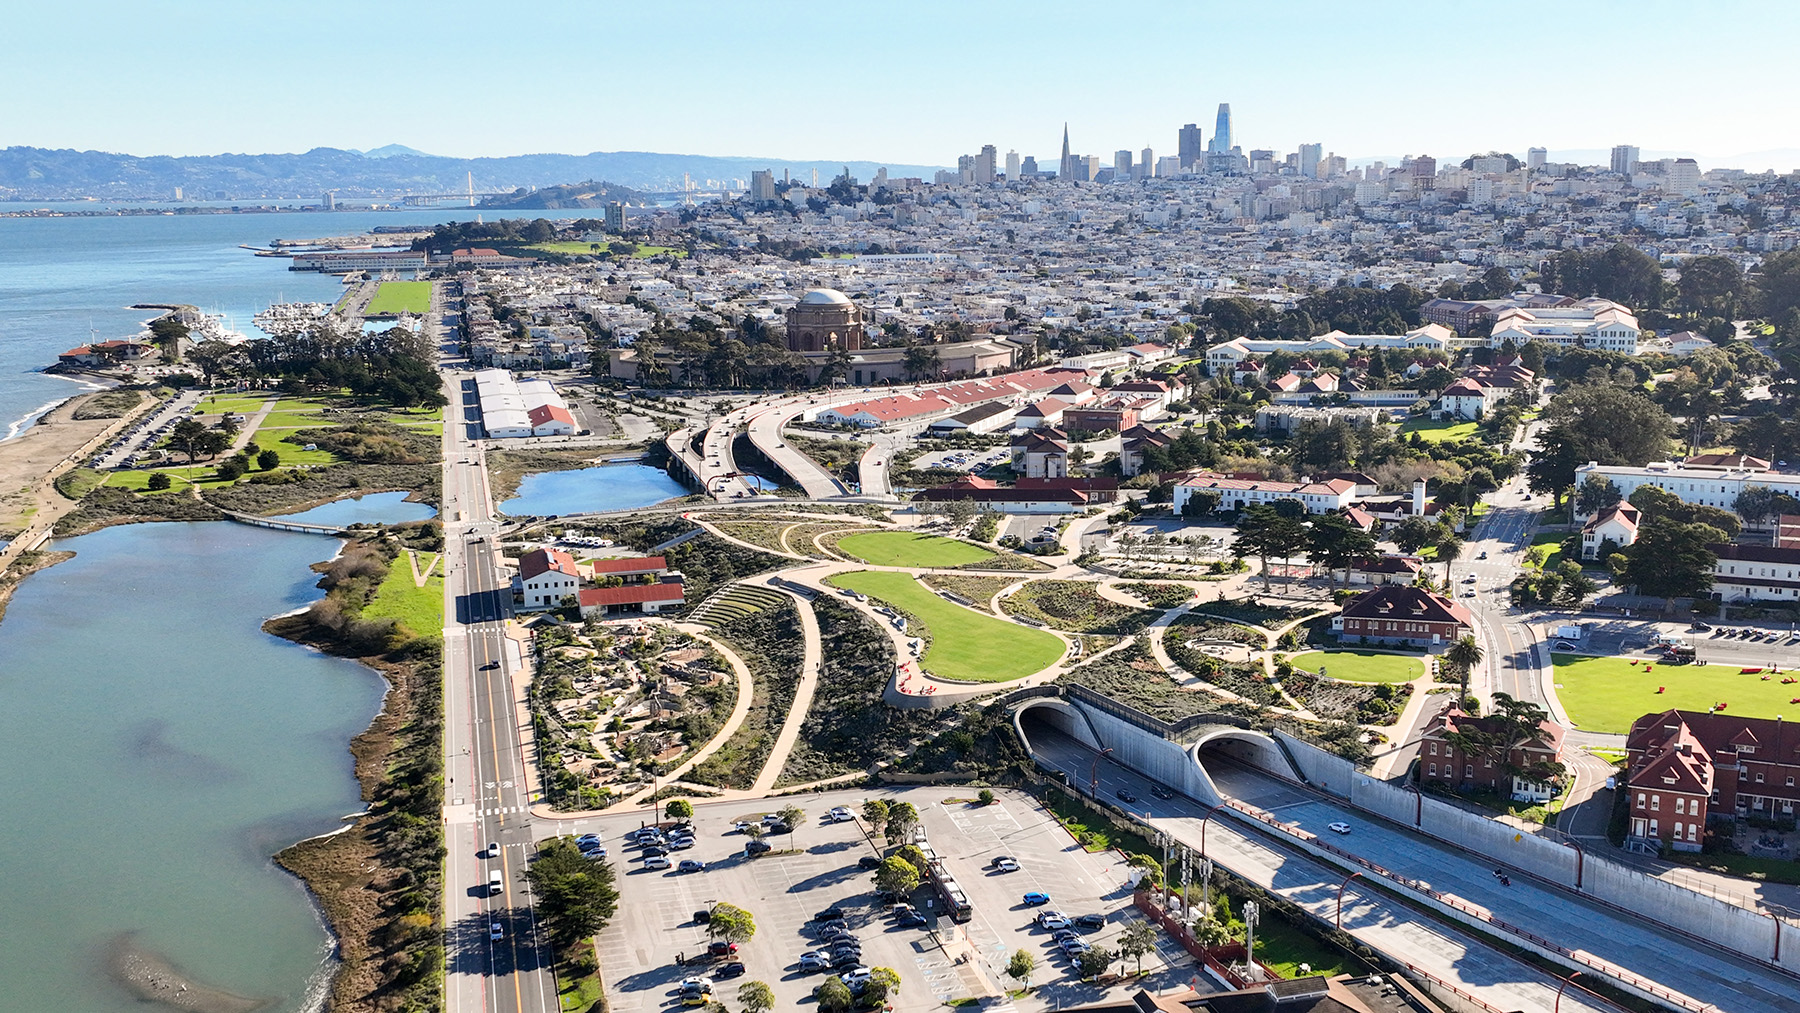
159,748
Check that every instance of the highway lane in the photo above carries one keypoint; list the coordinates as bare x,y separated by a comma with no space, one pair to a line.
486,796
1503,981
1714,976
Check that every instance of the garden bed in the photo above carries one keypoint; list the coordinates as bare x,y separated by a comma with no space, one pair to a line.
1075,606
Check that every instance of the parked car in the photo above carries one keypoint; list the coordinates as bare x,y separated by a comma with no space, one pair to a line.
655,851
869,862
691,865
731,970
1053,923
657,862
813,962
1005,863
588,839
830,914
1035,898
697,999
496,930
911,918
1090,921
757,848
681,843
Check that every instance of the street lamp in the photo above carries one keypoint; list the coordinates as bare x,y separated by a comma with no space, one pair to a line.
1559,991
1094,774
1340,901
1204,821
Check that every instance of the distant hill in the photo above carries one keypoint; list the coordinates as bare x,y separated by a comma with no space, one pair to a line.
52,174
572,195
390,150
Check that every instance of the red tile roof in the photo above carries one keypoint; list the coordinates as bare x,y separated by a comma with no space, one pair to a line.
641,564
632,594
539,561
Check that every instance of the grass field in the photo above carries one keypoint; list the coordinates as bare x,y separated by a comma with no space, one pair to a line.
401,297
901,548
1439,432
1554,540
1608,694
965,644
419,609
1362,666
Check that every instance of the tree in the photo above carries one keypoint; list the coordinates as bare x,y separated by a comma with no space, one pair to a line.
1711,285
921,360
1414,533
1461,657
902,817
913,855
731,923
186,436
1658,503
268,460
1094,962
1755,503
791,815
756,997
875,813
1600,422
1209,931
896,876
212,443
1138,939
1337,543
679,809
883,982
1670,559
1267,531
231,469
1577,586
159,480
1021,965
986,796
1449,546
215,357
575,896
833,994
1595,495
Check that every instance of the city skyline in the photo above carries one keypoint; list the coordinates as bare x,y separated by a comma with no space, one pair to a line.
121,91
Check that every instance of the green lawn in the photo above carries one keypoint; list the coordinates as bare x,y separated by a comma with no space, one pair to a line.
401,297
1284,948
1439,432
419,609
219,404
1362,666
1554,540
903,548
965,644
1608,694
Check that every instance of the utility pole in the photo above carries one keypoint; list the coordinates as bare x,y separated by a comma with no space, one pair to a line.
1251,916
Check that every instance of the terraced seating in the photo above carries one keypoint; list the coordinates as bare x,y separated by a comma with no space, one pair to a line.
735,601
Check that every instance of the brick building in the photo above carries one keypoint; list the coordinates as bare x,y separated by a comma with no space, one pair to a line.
1684,767
1402,615
1441,759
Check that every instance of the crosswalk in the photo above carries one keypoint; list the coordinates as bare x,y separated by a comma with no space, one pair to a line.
502,811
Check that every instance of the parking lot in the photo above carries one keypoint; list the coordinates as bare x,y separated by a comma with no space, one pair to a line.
939,962
967,459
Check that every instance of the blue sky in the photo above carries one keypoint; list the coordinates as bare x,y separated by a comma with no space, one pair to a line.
907,82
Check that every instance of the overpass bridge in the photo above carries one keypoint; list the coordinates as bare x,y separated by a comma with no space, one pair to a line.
281,524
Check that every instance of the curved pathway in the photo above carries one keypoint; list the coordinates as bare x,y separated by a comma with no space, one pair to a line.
811,661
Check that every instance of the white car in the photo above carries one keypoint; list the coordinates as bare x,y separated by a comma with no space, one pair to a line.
1470,579
1338,828
657,862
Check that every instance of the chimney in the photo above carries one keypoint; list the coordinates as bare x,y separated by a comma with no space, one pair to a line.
1418,503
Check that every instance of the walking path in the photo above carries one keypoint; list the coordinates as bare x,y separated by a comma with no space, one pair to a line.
811,661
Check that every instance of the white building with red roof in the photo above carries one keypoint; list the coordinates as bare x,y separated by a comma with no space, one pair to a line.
546,577
1238,493
632,598
1402,615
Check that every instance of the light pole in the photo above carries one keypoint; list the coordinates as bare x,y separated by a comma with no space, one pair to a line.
1580,861
1204,822
1340,902
1094,774
1559,991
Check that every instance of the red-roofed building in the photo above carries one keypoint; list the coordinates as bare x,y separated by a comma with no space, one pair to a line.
482,256
106,353
635,566
1683,767
1617,524
546,577
1443,758
990,494
1402,615
551,420
1238,493
632,599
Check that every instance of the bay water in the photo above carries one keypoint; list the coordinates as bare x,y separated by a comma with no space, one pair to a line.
158,749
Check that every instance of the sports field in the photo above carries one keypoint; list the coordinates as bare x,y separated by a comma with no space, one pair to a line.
401,297
1608,694
903,548
965,645
1361,666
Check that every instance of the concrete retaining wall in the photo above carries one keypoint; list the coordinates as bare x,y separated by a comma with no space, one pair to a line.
1716,921
1153,756
1060,715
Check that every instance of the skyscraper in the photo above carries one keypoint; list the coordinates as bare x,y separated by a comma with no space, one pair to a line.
1535,158
1122,162
1012,167
1029,167
1146,164
1187,145
984,164
1623,156
1221,143
1309,159
1067,171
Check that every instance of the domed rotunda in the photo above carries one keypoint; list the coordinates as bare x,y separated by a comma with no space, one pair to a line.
824,319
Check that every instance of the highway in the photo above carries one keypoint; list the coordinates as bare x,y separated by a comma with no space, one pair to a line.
1707,975
486,798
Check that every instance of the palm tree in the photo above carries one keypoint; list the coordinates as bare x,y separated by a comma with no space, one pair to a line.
1463,656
